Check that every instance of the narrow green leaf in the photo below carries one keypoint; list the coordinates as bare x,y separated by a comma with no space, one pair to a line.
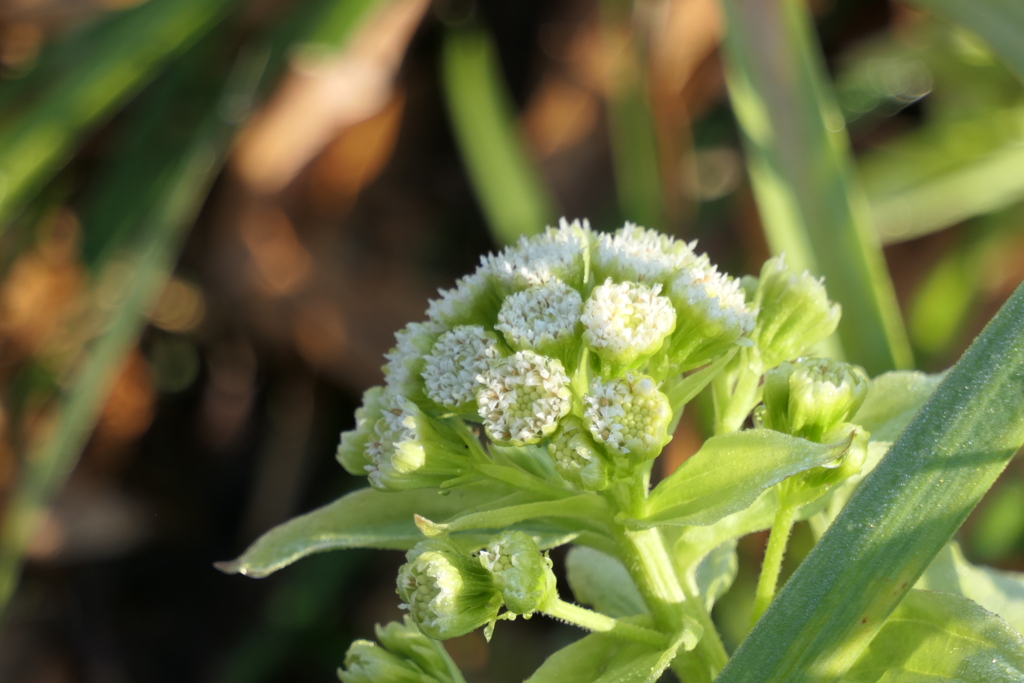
695,542
892,401
714,574
1000,592
599,658
362,519
900,517
117,58
800,165
585,511
602,582
511,194
999,22
729,472
938,637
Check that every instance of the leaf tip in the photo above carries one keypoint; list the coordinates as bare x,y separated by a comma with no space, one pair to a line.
430,529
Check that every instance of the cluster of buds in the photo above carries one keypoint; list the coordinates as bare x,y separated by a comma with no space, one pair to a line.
449,593
403,655
563,340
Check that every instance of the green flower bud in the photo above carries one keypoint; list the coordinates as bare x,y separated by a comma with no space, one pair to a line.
521,572
794,313
473,301
523,397
367,662
577,458
402,372
810,397
626,323
556,254
452,368
352,451
712,316
629,416
406,641
447,593
636,254
545,319
411,450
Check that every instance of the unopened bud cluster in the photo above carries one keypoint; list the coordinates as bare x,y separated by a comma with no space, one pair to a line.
563,340
403,655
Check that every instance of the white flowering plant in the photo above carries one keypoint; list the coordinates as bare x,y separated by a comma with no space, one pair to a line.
528,411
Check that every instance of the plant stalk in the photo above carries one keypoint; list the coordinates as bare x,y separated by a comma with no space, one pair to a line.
768,581
601,623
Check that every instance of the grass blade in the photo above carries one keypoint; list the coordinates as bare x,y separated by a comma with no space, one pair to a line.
114,60
999,22
899,519
147,265
799,162
510,191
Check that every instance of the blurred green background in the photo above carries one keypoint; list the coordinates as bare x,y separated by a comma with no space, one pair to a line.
215,213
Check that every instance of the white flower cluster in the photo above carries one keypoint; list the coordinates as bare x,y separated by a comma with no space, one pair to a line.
517,345
629,415
523,398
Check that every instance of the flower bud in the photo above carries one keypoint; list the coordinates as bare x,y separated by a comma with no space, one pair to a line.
636,254
810,397
447,593
629,416
411,450
352,451
544,318
521,572
473,301
367,662
556,254
402,372
406,641
794,313
451,369
626,323
577,458
523,397
712,315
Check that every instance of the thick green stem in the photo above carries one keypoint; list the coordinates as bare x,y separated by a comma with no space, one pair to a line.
648,562
773,554
601,623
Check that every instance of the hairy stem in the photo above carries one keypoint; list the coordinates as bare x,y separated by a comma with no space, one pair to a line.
601,623
734,403
768,581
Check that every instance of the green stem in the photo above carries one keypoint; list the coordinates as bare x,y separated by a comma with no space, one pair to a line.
733,404
595,621
648,562
773,554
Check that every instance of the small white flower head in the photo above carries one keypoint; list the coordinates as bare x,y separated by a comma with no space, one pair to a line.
809,397
520,571
577,458
713,314
353,449
544,318
633,253
523,397
405,359
410,450
472,301
629,416
451,369
793,314
626,323
447,593
555,254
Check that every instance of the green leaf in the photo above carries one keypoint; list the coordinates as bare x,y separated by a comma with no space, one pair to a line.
599,658
999,22
937,637
695,542
899,518
801,169
1000,592
892,401
602,582
714,574
729,472
115,59
586,511
510,192
362,519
